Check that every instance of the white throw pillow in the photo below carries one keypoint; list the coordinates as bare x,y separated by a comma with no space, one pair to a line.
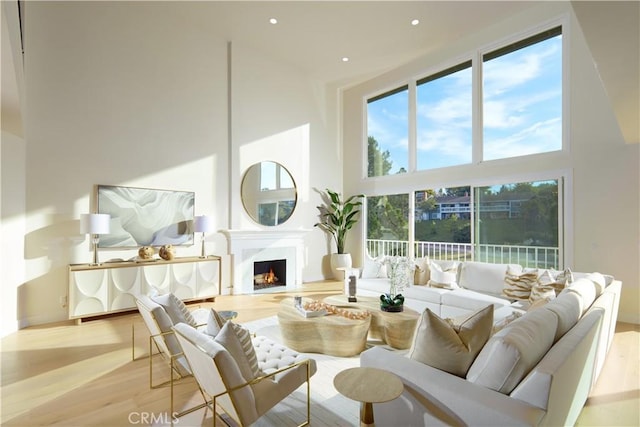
214,323
443,278
373,268
175,308
510,354
485,277
451,346
229,339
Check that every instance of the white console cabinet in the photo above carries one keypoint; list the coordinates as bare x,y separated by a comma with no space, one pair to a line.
95,290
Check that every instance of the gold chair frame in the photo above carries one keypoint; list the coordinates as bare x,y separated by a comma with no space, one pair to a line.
210,403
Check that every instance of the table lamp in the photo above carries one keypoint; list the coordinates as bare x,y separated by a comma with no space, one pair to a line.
94,225
203,224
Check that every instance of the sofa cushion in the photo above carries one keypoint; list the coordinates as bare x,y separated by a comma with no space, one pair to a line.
568,308
485,277
425,293
511,353
471,300
451,347
518,284
586,289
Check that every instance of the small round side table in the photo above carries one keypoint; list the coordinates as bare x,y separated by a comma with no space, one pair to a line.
368,386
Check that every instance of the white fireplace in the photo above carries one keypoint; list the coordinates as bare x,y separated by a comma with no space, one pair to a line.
249,246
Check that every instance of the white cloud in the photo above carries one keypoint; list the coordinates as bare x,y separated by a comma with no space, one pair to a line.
540,137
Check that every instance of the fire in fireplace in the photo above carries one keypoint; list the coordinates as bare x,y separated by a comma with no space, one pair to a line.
268,274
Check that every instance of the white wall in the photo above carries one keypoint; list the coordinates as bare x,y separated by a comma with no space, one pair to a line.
278,114
137,94
602,225
118,94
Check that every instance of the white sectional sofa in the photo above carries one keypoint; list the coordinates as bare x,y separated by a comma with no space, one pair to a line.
537,370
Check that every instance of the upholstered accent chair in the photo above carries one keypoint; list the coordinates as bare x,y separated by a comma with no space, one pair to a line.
226,381
160,313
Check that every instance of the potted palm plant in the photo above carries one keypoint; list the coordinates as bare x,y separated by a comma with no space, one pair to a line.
337,217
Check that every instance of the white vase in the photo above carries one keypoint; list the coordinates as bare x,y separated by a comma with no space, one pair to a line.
340,261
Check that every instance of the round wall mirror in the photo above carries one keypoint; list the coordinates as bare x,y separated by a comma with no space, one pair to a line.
268,193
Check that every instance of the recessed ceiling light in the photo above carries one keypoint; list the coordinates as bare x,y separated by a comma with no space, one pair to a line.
415,22
345,59
273,21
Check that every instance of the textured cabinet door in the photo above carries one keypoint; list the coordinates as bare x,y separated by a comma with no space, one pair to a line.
88,292
124,284
208,279
110,288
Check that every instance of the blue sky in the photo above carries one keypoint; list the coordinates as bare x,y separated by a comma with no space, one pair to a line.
522,98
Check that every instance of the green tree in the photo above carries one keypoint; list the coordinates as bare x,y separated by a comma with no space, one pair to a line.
378,161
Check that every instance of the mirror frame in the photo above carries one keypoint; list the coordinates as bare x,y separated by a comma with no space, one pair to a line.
251,195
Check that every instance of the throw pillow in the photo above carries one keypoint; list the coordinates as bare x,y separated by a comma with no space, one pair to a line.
547,279
373,268
244,335
451,348
214,323
422,273
541,292
441,277
228,338
518,286
510,354
175,308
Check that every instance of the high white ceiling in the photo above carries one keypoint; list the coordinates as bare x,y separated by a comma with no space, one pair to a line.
375,35
314,36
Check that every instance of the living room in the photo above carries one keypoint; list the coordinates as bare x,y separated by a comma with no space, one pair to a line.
153,95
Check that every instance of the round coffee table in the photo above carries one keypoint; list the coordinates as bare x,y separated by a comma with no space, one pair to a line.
368,386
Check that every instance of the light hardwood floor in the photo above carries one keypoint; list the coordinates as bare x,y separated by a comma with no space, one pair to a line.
82,375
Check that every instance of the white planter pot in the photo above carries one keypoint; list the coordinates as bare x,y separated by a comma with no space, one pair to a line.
340,261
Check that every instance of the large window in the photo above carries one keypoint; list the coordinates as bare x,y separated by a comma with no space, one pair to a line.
519,112
516,223
522,97
443,116
388,224
388,130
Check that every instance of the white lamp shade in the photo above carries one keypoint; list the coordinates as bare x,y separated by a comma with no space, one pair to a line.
95,223
203,224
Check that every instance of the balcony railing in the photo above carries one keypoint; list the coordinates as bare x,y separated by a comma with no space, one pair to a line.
527,256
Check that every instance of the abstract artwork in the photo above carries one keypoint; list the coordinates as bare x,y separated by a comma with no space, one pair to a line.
146,217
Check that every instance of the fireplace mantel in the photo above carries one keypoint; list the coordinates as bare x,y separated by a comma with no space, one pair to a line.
249,246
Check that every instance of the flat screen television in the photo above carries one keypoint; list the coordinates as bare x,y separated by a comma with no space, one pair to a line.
146,217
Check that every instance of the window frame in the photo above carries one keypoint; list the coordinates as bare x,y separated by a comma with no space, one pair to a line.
476,58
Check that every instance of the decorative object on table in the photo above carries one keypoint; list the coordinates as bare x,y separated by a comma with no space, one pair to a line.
146,252
400,273
203,224
94,225
352,289
167,252
332,309
337,217
297,301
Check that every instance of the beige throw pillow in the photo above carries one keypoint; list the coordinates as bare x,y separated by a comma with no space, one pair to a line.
450,348
422,274
518,286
